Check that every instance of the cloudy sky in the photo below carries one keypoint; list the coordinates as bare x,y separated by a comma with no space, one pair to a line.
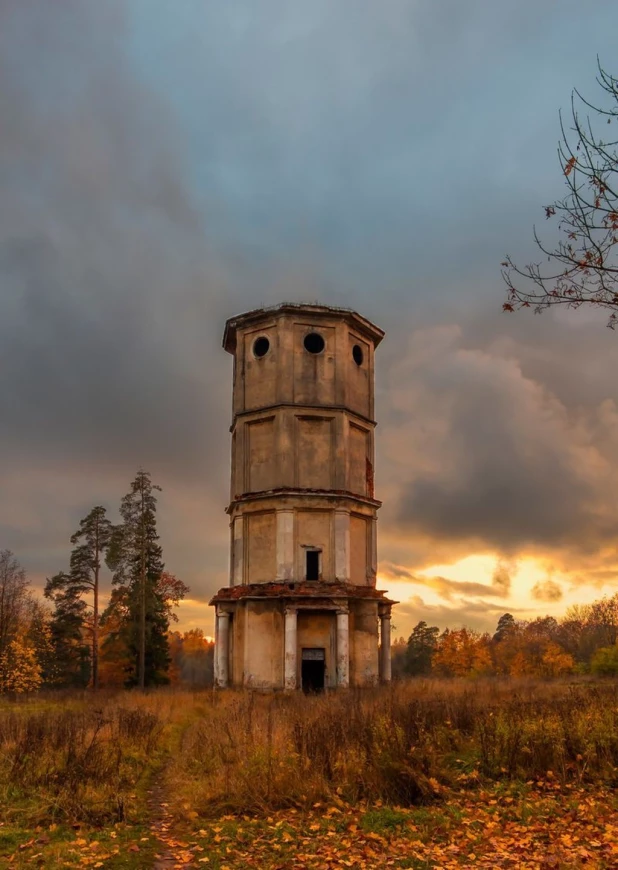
165,165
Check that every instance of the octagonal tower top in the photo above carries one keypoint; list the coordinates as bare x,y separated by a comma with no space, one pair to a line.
312,310
303,354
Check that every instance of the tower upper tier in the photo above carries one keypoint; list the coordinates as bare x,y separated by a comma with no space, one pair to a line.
307,355
302,502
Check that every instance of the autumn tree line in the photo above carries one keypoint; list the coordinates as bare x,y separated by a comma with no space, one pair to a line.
584,641
69,640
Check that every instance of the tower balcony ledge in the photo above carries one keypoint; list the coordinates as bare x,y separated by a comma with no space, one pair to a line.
302,589
298,491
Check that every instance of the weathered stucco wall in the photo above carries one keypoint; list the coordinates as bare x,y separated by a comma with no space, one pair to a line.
314,374
260,470
359,451
314,531
359,540
270,537
259,384
295,446
314,450
261,531
359,377
263,645
298,448
288,373
237,646
363,643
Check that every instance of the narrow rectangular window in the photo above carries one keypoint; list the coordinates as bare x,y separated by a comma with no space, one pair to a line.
313,564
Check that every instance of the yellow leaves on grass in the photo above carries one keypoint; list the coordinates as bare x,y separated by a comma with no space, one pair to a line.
531,827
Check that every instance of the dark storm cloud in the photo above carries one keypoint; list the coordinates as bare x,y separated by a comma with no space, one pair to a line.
493,456
110,299
164,166
503,576
106,298
547,590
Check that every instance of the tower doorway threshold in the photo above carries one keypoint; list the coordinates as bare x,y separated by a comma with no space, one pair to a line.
313,667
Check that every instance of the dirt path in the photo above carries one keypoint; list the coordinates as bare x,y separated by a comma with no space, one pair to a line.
172,853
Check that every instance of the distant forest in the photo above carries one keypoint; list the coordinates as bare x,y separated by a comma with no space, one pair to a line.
582,642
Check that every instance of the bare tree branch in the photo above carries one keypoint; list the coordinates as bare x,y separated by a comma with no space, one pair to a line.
582,267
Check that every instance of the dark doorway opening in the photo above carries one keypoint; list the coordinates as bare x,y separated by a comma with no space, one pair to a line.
312,670
313,564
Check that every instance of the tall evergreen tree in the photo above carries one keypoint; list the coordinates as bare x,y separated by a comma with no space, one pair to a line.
421,646
71,666
506,626
39,636
91,541
135,557
14,598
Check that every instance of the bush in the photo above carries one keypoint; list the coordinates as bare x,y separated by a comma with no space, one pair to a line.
605,661
79,764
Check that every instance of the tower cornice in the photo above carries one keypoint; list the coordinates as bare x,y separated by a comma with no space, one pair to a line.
368,329
310,408
328,494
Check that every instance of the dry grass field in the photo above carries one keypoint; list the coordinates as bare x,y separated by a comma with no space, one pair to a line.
422,774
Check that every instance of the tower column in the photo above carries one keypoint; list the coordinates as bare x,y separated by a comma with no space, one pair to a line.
373,562
342,546
291,644
343,649
238,551
285,545
222,650
385,646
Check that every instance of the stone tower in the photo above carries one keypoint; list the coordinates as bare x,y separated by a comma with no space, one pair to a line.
302,609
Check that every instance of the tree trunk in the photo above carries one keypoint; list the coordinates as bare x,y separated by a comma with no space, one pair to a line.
95,615
142,615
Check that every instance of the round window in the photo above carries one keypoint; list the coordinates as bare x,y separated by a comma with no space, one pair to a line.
261,346
314,343
357,354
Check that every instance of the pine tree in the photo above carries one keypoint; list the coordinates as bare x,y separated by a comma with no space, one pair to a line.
505,627
39,637
135,557
92,539
421,646
14,598
71,654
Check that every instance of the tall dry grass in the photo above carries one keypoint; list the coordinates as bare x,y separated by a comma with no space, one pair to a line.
403,745
80,758
85,759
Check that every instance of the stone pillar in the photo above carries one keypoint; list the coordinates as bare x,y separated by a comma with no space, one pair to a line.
342,546
216,652
373,562
291,643
285,545
343,649
385,646
222,650
238,548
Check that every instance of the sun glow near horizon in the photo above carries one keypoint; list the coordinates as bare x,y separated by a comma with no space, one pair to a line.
453,593
419,599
